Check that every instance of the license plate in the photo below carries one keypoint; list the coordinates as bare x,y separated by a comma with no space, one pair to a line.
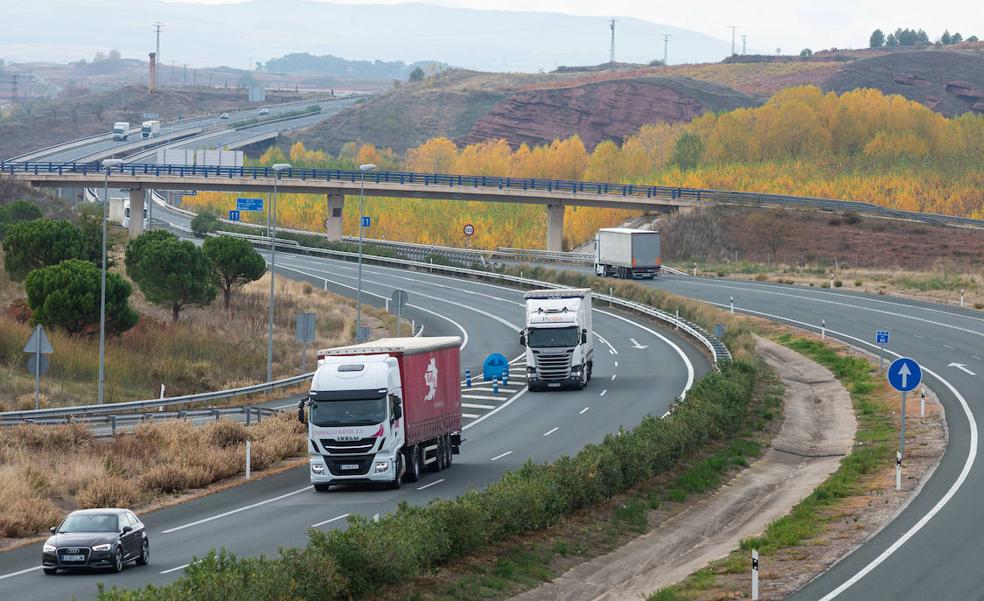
554,385
73,557
350,466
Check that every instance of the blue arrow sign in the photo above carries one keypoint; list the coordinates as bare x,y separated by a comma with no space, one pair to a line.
881,336
904,374
233,215
366,221
249,204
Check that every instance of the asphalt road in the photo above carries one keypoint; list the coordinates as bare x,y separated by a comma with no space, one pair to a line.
502,431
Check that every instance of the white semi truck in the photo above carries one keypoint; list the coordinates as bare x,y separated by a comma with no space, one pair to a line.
121,131
623,252
558,338
384,411
126,214
149,129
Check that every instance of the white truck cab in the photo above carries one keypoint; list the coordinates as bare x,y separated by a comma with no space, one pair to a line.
558,338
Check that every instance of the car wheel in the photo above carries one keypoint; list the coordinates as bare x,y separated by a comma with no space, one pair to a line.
118,560
50,571
322,487
144,558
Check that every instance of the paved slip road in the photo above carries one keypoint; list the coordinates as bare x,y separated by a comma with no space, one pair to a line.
502,431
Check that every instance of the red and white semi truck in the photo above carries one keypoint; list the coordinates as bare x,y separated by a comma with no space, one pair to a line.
383,411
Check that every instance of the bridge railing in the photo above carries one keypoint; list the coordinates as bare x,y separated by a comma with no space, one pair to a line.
482,182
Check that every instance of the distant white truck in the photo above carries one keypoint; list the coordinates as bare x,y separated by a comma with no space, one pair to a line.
558,338
126,214
121,131
623,252
149,129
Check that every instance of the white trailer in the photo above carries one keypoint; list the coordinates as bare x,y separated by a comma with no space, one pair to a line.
121,131
558,338
149,129
623,252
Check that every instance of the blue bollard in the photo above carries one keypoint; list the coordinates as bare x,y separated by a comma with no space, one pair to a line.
495,386
467,378
505,378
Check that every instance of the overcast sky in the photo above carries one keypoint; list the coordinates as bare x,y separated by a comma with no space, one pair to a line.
769,24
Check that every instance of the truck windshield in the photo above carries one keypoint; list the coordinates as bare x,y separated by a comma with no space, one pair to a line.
348,413
552,337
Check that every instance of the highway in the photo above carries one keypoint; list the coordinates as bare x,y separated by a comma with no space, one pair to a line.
502,431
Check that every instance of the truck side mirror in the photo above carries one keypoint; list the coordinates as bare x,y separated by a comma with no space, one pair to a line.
300,411
522,338
584,336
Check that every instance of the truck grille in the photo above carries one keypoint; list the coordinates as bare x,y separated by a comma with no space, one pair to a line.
356,465
348,447
553,366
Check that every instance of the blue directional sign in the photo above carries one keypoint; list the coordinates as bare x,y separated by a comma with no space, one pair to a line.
233,215
249,204
904,374
881,336
366,221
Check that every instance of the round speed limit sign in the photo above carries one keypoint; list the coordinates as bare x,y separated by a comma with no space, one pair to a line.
469,229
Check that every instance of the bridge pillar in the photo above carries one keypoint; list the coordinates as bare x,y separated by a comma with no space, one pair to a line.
686,210
136,212
333,222
555,227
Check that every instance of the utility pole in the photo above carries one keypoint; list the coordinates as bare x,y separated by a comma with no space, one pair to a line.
734,28
666,48
744,43
184,76
13,89
157,29
611,52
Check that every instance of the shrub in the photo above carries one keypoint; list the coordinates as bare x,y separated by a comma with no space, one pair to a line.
852,217
858,283
67,295
226,433
27,516
173,274
204,223
838,283
165,478
40,243
761,277
111,491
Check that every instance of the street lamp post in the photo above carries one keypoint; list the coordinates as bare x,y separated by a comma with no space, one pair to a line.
271,232
358,294
107,165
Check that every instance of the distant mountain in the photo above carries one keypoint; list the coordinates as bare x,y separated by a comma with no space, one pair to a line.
333,66
244,33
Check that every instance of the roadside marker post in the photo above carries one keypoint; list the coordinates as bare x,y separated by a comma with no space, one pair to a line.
961,298
732,302
881,339
922,402
467,378
755,575
248,449
904,374
823,329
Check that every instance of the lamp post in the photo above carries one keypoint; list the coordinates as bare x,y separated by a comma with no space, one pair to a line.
107,165
271,231
358,294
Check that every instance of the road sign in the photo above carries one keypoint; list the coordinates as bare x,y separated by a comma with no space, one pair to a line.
38,343
306,327
881,337
33,363
469,229
233,215
249,204
904,374
366,221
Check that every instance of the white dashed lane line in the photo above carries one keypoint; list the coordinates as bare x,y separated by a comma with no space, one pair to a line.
583,411
501,455
434,483
551,431
603,392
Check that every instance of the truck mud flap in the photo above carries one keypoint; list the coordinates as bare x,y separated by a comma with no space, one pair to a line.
456,441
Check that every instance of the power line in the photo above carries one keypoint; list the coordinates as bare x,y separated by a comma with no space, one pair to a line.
611,52
666,47
734,28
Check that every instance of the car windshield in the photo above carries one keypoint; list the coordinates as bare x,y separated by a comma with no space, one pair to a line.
348,413
552,337
90,522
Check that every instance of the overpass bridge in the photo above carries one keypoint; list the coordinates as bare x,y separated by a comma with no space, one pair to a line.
554,195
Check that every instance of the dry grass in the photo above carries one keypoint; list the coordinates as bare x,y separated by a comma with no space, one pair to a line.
37,484
208,349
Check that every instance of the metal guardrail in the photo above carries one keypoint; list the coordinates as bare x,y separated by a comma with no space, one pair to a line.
87,411
573,187
110,425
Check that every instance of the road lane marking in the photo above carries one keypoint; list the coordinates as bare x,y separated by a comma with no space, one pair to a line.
469,416
975,357
583,411
636,345
614,376
611,349
175,569
551,431
334,519
603,392
479,397
501,455
234,511
616,364
434,483
483,389
496,410
947,346
476,406
19,572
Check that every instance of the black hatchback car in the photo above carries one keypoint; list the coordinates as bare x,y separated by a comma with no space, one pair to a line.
96,539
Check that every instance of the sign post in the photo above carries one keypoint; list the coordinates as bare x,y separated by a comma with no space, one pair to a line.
468,230
306,333
881,339
396,304
38,345
904,374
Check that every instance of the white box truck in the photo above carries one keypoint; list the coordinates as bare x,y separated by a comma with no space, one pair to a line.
558,338
149,129
623,252
383,411
121,131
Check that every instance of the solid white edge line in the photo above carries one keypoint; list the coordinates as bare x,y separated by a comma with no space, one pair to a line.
234,511
19,572
501,455
551,431
961,478
434,483
334,519
175,569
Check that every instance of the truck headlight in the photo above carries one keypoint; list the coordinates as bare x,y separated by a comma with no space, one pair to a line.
48,548
102,547
382,466
317,468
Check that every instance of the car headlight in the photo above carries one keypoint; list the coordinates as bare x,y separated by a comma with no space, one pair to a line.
317,468
103,547
49,548
382,466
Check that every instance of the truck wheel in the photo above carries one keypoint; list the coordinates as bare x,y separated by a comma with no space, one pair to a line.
590,369
322,487
397,480
438,463
449,454
412,458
